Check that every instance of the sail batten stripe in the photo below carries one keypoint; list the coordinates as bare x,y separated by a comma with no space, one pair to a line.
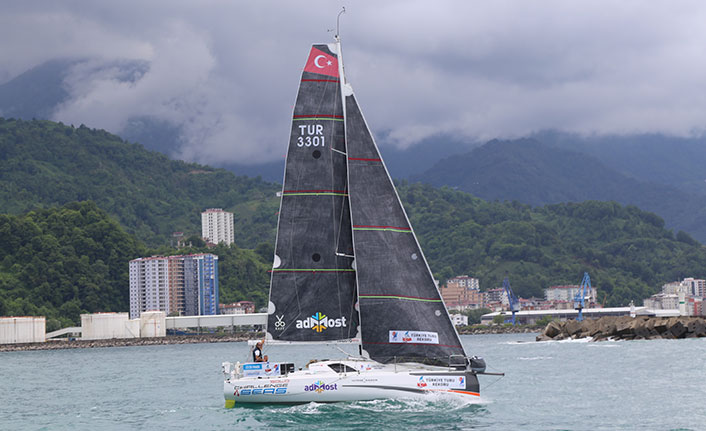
362,226
364,159
316,194
409,298
318,117
320,80
384,228
314,191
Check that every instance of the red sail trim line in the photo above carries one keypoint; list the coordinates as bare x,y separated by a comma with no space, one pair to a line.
364,160
314,191
382,227
320,80
414,344
461,392
319,116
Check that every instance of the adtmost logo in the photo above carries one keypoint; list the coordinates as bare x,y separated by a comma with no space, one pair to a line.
320,322
320,386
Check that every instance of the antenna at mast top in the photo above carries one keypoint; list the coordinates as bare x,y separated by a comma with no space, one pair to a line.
343,10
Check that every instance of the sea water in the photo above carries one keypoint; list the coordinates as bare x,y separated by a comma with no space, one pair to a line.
575,385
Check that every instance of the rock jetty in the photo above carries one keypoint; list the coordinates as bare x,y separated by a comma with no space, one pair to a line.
626,328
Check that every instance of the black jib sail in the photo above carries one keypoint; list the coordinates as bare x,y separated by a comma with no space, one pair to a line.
402,315
312,287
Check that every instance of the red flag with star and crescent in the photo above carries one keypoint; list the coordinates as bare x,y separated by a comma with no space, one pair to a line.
321,63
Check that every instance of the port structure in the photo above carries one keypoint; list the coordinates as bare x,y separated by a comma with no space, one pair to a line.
511,299
580,298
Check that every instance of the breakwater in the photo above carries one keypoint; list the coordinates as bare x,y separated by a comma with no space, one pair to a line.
498,329
626,328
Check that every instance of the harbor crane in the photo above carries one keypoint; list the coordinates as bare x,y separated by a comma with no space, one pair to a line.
580,298
511,299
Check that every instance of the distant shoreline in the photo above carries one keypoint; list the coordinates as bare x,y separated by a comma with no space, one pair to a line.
127,342
208,338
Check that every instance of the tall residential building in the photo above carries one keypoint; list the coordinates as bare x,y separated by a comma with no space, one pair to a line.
201,286
184,285
217,226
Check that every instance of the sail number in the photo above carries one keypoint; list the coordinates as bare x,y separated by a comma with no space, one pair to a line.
311,135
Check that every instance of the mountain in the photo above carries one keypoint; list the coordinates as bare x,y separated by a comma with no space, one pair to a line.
655,158
36,92
534,173
45,164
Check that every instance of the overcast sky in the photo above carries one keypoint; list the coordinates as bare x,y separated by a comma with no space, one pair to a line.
226,72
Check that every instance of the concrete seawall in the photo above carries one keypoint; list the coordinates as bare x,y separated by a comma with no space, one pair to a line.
626,328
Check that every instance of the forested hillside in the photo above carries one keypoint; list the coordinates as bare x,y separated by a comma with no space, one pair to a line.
628,252
45,164
62,262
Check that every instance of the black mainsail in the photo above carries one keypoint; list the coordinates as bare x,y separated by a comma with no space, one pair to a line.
312,286
402,315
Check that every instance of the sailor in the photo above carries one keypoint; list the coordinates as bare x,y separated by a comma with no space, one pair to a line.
257,352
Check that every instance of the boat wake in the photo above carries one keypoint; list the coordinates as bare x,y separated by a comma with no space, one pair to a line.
378,414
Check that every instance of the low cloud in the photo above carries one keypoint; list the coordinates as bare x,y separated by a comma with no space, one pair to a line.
225,73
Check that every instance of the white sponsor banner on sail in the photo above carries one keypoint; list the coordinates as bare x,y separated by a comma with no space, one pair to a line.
418,337
439,382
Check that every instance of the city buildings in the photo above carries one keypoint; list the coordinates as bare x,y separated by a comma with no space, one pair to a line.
178,285
461,292
495,298
568,293
240,307
686,296
217,226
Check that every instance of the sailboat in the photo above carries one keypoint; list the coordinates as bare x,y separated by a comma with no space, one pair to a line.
348,268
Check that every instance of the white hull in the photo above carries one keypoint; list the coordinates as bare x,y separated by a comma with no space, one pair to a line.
358,381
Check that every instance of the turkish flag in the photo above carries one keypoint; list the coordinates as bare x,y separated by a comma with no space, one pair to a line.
321,63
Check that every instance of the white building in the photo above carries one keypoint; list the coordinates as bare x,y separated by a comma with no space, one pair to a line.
459,319
217,226
22,330
684,296
695,287
102,326
568,293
